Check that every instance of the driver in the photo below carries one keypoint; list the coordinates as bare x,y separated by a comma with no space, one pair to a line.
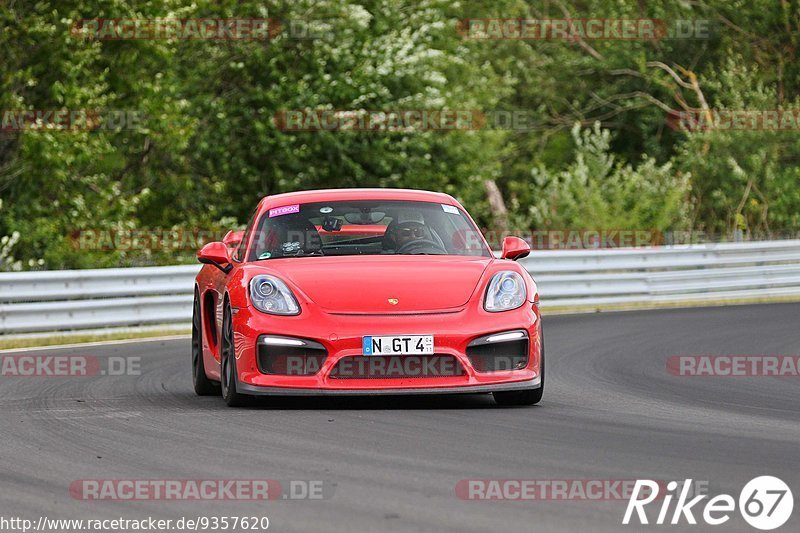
410,227
409,231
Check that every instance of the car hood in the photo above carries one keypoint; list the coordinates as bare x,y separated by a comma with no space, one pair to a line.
385,284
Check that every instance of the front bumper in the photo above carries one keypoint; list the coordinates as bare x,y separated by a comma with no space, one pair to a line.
473,389
341,336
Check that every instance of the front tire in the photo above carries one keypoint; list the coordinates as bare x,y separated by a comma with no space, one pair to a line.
524,397
202,385
228,363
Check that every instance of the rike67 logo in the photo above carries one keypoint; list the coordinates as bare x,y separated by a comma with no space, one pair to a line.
765,503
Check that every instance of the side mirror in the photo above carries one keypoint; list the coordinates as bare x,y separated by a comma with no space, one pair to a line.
217,254
233,238
515,248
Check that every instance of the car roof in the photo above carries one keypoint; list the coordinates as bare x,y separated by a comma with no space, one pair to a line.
332,195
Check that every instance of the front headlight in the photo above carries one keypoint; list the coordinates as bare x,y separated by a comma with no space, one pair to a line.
271,295
506,291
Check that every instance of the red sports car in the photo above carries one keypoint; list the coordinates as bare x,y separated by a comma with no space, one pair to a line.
365,291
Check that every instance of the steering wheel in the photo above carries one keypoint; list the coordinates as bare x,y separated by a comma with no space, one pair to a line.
415,246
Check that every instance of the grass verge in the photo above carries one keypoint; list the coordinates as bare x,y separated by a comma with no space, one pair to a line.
56,338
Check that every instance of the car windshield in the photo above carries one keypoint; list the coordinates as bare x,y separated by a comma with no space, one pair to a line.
365,228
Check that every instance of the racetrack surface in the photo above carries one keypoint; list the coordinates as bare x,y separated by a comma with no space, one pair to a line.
610,411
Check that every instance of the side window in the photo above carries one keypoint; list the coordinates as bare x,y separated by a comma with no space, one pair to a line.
238,254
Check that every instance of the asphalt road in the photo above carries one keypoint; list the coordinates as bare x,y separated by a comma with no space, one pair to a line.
611,411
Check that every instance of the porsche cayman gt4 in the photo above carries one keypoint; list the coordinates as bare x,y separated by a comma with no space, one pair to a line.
365,292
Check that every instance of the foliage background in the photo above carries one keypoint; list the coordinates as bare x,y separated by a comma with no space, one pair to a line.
599,154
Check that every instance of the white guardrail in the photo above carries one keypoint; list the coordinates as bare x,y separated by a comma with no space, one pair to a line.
81,299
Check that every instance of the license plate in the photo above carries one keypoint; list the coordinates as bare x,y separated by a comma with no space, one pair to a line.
398,345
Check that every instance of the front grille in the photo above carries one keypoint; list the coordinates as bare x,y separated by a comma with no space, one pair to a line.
485,356
397,367
303,360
